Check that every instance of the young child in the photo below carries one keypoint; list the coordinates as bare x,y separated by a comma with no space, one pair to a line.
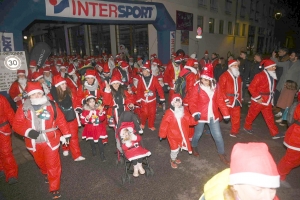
130,143
93,117
175,126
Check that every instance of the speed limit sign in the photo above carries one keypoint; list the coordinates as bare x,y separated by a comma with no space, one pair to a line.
12,62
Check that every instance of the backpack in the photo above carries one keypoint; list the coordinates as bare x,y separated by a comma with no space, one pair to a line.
180,85
290,115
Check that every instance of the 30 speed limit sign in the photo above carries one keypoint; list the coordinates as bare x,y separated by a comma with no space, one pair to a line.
12,62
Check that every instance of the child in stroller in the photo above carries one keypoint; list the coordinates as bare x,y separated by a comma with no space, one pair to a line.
129,143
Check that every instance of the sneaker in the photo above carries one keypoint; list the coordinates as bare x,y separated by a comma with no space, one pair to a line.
173,164
279,114
248,131
65,153
285,184
12,180
278,120
152,128
80,158
56,194
279,135
177,161
232,135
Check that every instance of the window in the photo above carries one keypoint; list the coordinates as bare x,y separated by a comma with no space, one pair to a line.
228,6
211,25
243,9
244,30
237,29
229,28
202,3
214,5
200,22
221,26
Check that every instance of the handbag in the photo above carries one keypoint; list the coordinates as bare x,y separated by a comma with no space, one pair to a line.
69,113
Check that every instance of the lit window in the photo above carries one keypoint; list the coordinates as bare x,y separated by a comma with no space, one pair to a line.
229,28
221,26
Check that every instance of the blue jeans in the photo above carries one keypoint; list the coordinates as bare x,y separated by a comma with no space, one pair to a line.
215,132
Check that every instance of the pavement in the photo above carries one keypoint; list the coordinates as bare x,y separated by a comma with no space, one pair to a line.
93,179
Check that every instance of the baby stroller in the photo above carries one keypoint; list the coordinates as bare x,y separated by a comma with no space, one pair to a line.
131,150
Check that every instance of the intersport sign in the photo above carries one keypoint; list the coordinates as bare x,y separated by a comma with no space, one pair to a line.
100,10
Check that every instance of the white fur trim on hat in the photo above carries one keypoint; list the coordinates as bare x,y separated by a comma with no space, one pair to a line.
39,77
234,63
35,91
270,66
32,66
256,179
145,68
60,83
116,81
90,76
206,77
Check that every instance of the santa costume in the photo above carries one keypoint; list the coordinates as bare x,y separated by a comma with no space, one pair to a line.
32,69
262,88
8,164
124,71
17,88
175,127
42,129
72,79
146,96
47,76
205,60
230,88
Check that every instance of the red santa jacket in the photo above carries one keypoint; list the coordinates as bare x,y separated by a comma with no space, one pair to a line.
147,93
117,72
177,130
15,91
94,116
169,75
230,88
6,116
54,70
71,84
215,61
292,135
262,86
191,81
202,62
26,120
201,101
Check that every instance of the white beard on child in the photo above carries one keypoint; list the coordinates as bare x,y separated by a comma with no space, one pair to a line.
178,112
39,101
272,74
235,71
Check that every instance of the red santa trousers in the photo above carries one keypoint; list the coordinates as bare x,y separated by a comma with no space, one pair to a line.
191,128
48,161
290,160
235,115
148,111
254,110
74,142
7,161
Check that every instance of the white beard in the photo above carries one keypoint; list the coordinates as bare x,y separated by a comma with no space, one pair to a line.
130,63
272,74
48,78
179,112
75,78
62,74
235,72
23,82
39,101
154,70
135,83
33,69
45,88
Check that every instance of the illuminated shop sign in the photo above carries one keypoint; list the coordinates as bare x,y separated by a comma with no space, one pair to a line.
100,10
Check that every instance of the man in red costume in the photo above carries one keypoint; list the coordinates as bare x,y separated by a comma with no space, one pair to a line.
18,87
262,88
147,87
38,121
124,71
171,74
230,84
8,165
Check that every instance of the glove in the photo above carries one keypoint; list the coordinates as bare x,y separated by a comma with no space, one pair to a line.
33,134
226,121
78,110
197,117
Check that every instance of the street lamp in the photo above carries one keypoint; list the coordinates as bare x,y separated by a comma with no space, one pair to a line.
278,15
25,37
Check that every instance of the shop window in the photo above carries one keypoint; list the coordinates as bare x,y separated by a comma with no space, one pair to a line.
244,30
221,26
229,28
200,22
76,40
237,29
211,25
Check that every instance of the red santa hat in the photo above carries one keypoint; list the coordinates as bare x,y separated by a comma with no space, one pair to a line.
37,75
206,52
21,72
130,57
58,62
153,55
190,63
207,71
267,63
175,97
116,79
139,59
33,87
196,62
124,65
32,63
106,68
71,70
46,69
155,61
177,59
90,73
47,63
88,97
64,65
57,80
232,62
147,66
129,126
252,164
